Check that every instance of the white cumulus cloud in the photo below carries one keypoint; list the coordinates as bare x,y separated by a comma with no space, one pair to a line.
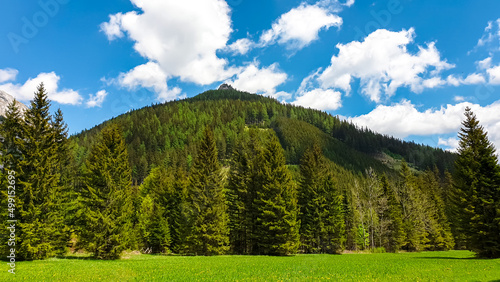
260,80
25,92
8,75
320,99
494,75
150,76
300,26
182,37
404,119
383,63
97,99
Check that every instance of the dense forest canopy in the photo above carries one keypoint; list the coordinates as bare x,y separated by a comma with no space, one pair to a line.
228,172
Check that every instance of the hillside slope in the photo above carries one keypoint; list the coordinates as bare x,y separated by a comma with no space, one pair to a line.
169,133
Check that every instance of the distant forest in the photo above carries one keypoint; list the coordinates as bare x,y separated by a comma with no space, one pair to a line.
228,172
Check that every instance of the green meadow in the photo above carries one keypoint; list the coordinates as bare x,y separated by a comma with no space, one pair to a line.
425,266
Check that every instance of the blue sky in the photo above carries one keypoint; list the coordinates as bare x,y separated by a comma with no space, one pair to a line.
401,67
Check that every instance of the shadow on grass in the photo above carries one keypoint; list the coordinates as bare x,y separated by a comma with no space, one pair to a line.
454,258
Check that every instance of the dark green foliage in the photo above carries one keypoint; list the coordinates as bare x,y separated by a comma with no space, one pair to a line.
392,230
205,208
106,207
413,211
152,227
321,211
161,202
240,201
437,224
477,189
277,227
42,231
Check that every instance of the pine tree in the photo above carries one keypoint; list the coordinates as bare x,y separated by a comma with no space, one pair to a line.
277,227
12,132
239,200
106,207
477,180
11,149
205,207
394,235
413,211
174,208
156,209
153,229
437,223
321,211
42,226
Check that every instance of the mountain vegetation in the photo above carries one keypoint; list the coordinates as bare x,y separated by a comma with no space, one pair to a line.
228,172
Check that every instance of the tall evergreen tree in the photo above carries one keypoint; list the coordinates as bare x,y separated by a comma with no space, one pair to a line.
277,227
12,132
42,226
206,208
106,207
477,180
413,211
156,195
321,211
239,200
11,154
393,236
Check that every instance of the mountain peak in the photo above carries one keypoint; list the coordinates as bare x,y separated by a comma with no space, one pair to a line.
5,100
226,86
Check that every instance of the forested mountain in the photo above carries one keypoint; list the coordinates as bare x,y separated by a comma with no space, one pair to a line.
169,133
228,172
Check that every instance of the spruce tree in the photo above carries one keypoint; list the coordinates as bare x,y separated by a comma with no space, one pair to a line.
277,226
239,200
152,227
477,180
11,154
321,211
205,208
413,211
12,133
106,207
156,196
394,236
42,230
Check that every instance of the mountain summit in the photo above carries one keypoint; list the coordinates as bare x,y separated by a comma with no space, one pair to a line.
5,100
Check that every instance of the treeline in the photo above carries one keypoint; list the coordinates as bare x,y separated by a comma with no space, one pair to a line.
248,201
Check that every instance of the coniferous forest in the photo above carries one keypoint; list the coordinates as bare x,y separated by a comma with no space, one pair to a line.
228,172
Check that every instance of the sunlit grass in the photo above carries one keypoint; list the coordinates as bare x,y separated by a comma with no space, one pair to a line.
426,266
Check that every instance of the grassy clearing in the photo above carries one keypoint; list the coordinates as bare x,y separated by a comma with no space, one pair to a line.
434,266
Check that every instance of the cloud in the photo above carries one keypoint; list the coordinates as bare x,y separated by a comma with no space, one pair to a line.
383,63
112,29
320,99
150,76
494,75
300,26
404,119
491,37
8,75
451,143
261,80
181,37
97,99
241,46
24,92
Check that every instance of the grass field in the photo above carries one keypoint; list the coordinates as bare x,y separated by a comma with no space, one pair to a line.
426,266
